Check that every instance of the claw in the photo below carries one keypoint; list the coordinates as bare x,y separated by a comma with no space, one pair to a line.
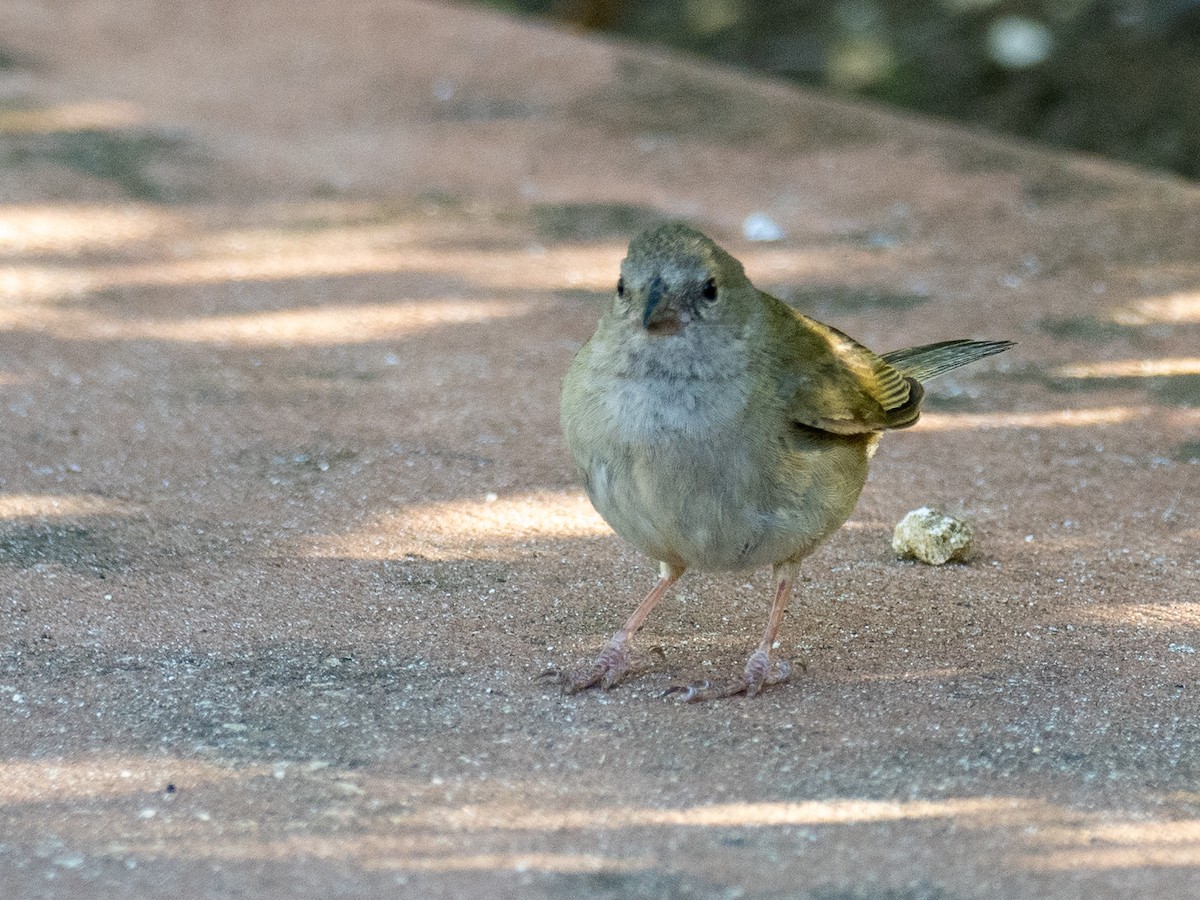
611,677
608,670
781,670
687,691
612,664
760,671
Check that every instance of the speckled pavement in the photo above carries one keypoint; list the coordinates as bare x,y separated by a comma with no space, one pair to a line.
287,530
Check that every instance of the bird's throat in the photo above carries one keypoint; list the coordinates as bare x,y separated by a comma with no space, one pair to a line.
663,326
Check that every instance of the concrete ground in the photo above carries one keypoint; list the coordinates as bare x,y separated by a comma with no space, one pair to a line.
287,530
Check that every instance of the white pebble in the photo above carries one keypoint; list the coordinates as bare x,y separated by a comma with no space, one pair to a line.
932,537
761,227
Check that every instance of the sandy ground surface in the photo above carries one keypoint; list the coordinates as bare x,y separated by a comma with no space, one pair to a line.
287,529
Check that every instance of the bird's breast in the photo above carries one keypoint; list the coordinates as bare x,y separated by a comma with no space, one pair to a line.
669,409
684,388
689,463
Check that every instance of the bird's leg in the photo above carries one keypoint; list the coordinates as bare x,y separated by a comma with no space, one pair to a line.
761,669
613,662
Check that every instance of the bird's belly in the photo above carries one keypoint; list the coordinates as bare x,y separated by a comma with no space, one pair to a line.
681,515
719,507
691,473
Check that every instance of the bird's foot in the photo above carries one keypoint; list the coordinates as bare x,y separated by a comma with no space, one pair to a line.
608,669
760,671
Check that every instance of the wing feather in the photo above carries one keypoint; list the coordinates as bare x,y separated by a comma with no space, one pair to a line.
831,382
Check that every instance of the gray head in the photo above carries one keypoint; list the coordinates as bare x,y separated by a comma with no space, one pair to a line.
674,278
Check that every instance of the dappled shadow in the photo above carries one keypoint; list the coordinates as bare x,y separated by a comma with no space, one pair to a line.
593,221
660,97
417,767
356,658
832,300
288,529
73,546
108,143
123,158
1164,382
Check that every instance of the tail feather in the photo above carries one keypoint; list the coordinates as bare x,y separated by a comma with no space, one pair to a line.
931,360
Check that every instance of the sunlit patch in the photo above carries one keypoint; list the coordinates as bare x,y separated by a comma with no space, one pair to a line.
271,253
333,249
941,674
21,284
566,514
43,781
70,117
1118,845
772,265
510,862
866,525
342,252
1132,368
1174,308
459,528
39,283
997,810
1051,418
379,853
1145,615
401,826
53,506
286,328
70,229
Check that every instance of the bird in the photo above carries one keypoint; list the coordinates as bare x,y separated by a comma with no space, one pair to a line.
716,428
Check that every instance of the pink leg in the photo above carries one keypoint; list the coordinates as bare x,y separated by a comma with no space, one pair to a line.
761,669
612,664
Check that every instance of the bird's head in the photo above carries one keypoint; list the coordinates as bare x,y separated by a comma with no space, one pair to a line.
675,279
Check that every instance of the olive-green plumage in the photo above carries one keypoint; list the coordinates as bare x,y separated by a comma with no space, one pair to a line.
717,428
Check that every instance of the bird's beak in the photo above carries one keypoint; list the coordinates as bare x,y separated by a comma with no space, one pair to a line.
653,298
659,317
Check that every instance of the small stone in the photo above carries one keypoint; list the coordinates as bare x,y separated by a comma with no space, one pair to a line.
932,537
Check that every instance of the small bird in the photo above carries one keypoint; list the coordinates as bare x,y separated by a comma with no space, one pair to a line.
716,428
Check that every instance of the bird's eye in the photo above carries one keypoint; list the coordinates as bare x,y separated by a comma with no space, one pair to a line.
709,291
621,287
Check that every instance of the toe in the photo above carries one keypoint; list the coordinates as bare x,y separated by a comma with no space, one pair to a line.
760,672
751,687
780,671
612,677
699,691
689,693
580,679
607,671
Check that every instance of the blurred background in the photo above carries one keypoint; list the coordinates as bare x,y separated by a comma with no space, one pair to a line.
1120,78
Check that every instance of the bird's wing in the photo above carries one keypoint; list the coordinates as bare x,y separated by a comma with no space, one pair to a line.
831,382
